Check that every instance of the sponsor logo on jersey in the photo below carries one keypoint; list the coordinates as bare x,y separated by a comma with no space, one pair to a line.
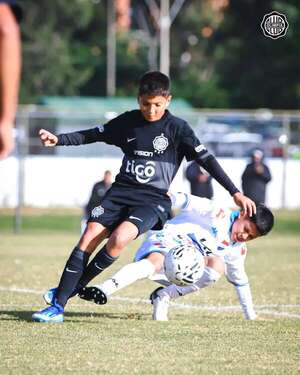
143,153
160,143
97,211
200,148
200,244
143,173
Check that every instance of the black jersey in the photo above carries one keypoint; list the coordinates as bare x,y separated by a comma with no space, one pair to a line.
153,151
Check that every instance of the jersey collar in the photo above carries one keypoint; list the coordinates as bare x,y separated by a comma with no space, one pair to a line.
233,216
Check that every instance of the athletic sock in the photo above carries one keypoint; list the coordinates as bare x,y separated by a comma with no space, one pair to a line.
210,276
101,261
71,275
127,275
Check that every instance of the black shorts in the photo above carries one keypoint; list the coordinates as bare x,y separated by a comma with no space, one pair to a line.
144,208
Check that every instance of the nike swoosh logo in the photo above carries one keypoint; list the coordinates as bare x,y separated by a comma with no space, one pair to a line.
130,139
68,270
97,266
136,218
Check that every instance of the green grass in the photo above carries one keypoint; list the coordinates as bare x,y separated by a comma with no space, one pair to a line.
121,338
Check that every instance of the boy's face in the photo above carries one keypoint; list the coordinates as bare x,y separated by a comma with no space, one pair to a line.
243,229
153,107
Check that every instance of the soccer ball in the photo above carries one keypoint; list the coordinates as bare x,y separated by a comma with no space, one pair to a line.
184,264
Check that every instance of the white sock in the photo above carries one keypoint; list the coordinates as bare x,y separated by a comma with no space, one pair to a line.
210,276
127,275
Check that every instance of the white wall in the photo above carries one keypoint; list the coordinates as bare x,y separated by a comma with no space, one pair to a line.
67,182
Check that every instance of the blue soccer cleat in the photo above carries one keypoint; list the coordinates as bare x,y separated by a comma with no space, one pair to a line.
50,295
52,314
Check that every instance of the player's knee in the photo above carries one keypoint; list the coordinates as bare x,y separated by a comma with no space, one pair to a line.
91,237
91,231
216,264
117,240
157,260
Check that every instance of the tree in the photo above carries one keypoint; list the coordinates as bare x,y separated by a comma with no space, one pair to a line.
56,59
254,70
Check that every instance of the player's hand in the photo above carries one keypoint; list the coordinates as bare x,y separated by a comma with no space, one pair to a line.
48,139
247,205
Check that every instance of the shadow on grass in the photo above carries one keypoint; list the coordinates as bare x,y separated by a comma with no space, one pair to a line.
71,317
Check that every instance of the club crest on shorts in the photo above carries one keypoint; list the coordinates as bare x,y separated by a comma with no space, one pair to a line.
274,25
160,143
97,211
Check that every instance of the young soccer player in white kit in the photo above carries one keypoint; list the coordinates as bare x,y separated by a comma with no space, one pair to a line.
218,233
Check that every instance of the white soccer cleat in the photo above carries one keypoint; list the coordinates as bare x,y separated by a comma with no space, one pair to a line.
160,305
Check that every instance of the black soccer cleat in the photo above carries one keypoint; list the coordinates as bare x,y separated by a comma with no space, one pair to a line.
93,293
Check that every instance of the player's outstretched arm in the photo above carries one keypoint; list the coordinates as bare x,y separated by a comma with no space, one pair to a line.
48,139
247,205
236,275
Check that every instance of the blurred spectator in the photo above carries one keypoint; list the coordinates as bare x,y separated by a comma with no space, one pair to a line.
10,70
200,181
98,191
255,178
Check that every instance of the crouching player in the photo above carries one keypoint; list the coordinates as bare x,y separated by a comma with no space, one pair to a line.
219,234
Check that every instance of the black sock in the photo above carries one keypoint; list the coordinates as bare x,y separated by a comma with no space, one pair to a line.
71,275
101,261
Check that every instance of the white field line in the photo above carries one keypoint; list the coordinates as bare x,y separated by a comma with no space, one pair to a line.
264,309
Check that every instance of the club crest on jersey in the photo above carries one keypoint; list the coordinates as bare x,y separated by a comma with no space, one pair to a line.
160,143
100,128
97,211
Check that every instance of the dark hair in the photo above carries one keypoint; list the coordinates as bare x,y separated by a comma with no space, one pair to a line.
263,219
154,83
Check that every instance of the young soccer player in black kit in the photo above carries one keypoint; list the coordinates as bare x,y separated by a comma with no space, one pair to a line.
154,143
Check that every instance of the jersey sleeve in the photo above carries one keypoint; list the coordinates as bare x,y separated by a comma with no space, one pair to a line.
108,133
236,275
189,144
188,202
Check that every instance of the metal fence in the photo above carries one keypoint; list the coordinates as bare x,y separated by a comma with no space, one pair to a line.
232,133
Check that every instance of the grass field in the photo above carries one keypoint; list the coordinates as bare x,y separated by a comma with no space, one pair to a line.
206,333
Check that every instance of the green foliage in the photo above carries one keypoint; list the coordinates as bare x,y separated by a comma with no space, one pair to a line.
219,57
257,71
55,59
